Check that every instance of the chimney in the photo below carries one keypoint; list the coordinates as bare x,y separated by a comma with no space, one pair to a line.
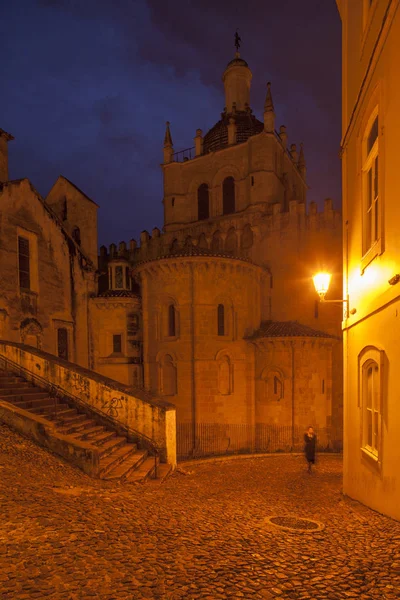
4,139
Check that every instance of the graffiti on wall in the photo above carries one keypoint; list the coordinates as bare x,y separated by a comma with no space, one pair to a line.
112,406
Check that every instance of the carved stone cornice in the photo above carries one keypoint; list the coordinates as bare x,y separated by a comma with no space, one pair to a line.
115,303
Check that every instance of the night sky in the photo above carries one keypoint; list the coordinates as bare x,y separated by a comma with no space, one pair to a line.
87,86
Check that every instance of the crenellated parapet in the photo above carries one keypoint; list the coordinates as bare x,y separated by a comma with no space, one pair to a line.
237,236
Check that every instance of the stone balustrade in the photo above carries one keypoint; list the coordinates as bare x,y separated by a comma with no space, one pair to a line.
134,410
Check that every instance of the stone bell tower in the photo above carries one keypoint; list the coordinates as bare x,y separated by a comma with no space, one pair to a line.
237,80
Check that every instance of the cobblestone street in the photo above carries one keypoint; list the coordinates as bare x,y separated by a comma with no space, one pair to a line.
203,533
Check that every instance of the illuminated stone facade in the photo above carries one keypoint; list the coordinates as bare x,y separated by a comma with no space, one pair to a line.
46,277
232,332
217,313
371,216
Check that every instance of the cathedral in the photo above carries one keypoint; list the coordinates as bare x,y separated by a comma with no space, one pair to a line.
217,313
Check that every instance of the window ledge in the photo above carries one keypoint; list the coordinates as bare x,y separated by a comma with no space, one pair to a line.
372,253
371,456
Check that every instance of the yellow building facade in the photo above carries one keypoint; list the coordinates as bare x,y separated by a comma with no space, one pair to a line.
371,242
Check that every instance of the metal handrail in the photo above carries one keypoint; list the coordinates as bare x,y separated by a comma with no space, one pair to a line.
176,155
59,392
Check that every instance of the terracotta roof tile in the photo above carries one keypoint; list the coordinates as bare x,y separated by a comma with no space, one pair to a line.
288,329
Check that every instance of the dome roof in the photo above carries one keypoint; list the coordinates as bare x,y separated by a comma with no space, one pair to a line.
246,123
237,62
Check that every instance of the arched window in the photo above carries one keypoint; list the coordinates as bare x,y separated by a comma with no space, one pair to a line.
371,399
278,388
221,319
168,376
371,405
171,320
273,386
203,204
228,196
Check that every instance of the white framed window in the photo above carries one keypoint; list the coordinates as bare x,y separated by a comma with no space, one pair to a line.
371,221
371,372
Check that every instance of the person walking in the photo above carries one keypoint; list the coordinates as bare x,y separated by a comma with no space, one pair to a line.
310,442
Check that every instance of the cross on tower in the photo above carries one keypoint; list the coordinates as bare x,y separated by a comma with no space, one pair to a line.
238,39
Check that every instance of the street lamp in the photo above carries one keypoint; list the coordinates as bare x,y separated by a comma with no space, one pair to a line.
321,283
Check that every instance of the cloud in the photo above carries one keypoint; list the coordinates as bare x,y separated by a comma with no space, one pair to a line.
88,86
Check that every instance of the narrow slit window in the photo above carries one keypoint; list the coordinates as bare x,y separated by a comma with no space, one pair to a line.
221,319
24,263
171,320
228,196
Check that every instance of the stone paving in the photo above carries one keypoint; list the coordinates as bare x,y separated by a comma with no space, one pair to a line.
203,533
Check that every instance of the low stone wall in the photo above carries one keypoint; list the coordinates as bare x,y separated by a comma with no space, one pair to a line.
78,453
133,409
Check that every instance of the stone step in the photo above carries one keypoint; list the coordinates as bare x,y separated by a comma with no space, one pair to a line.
124,468
75,428
70,420
85,433
17,391
13,398
164,470
143,472
5,385
32,403
112,460
52,413
118,458
110,446
9,377
99,437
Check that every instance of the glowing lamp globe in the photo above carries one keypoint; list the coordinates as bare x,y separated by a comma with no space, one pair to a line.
321,283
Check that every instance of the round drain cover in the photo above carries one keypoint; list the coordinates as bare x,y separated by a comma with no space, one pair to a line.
296,524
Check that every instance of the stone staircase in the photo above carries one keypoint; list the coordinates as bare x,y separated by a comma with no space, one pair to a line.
118,459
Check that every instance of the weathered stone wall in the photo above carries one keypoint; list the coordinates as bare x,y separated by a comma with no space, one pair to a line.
303,392
61,280
111,316
257,167
75,209
213,372
291,246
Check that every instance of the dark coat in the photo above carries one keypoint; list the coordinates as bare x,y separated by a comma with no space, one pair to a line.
309,447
